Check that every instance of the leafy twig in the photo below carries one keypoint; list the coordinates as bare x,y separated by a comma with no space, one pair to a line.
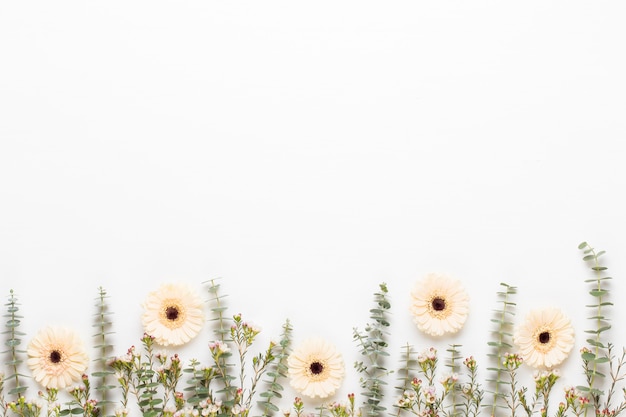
372,345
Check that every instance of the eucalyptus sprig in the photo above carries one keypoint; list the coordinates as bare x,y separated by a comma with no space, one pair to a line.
223,365
199,383
599,356
406,372
279,372
13,352
372,344
500,345
103,373
454,366
595,357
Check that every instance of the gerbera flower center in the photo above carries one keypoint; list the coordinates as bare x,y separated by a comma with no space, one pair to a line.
544,337
316,368
438,307
55,356
438,304
544,340
171,313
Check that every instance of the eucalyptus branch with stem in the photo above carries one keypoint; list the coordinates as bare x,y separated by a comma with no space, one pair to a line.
596,358
503,342
373,346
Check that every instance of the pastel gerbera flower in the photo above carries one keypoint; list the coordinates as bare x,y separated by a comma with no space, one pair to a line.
545,338
57,357
173,315
439,304
316,368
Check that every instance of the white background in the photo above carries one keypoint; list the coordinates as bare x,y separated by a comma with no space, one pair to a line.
305,152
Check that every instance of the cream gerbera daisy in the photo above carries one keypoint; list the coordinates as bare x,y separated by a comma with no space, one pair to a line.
57,357
173,314
439,304
545,338
315,368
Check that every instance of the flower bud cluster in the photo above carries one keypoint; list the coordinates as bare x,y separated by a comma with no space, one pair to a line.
512,361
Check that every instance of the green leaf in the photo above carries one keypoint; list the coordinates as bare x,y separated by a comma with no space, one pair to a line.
591,372
105,388
102,374
597,279
18,390
271,406
592,342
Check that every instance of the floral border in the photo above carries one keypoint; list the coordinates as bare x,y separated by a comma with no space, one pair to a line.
242,379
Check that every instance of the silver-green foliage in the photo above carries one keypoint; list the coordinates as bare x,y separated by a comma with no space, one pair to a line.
103,373
501,344
598,359
279,372
454,365
13,353
372,344
223,367
406,372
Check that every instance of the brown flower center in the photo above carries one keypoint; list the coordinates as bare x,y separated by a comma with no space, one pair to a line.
544,337
55,356
316,368
439,304
438,307
171,313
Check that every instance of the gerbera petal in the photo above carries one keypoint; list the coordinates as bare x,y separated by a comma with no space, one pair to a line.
545,352
315,368
183,320
53,342
450,311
